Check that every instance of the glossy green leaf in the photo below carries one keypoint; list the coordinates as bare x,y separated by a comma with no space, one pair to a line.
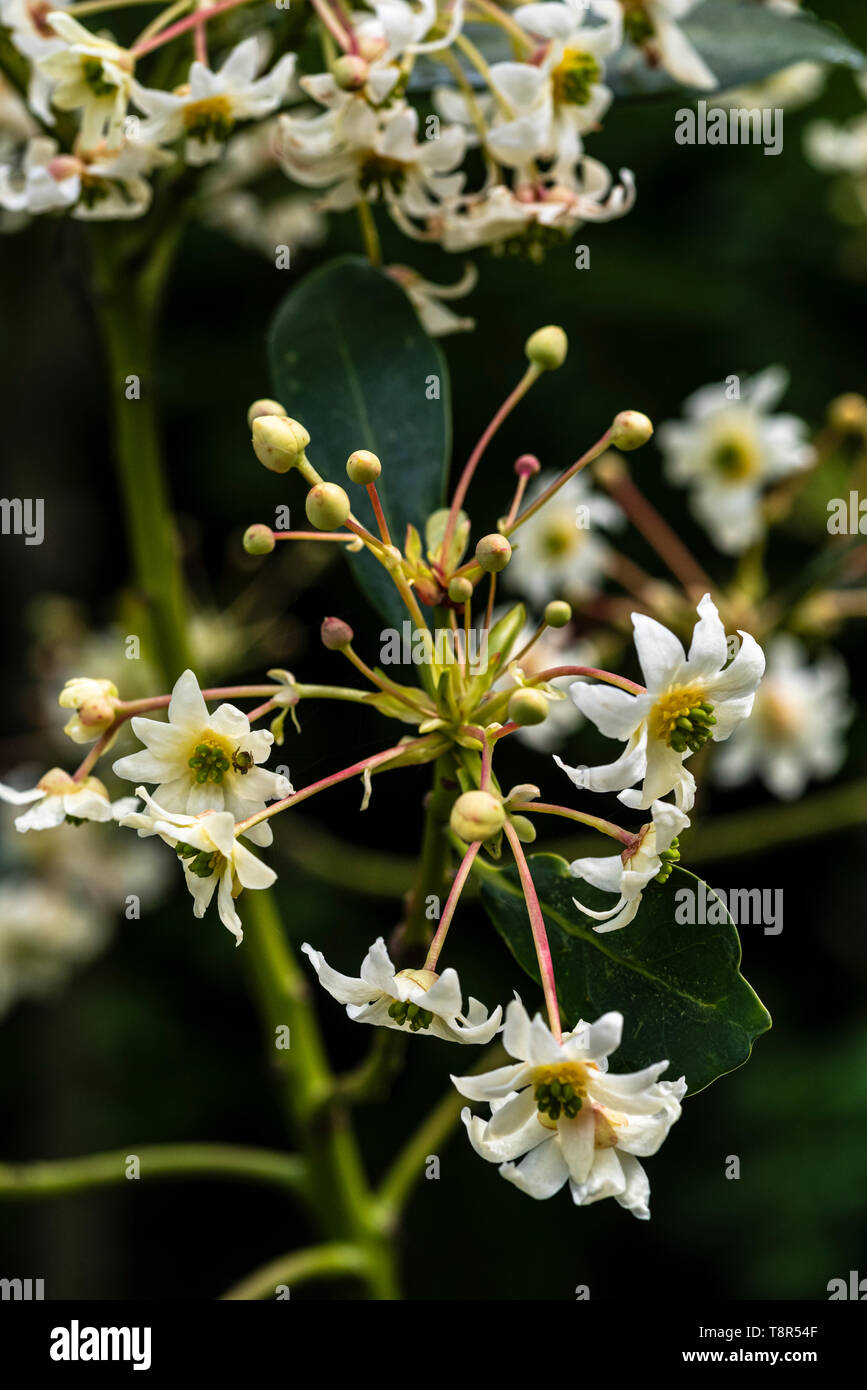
679,987
350,360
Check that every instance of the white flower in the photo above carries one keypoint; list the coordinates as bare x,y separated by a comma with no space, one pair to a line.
727,450
44,934
57,797
93,75
629,873
363,155
93,704
688,699
554,101
567,1118
205,762
46,182
113,185
208,107
652,24
558,552
404,28
31,35
427,299
796,728
214,859
416,999
838,149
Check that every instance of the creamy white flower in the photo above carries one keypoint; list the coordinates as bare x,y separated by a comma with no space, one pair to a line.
44,935
559,552
214,859
418,1000
404,28
652,24
205,761
291,221
45,182
554,101
629,873
726,451
92,75
787,90
364,155
56,797
838,149
209,106
796,728
30,34
687,700
567,1118
427,299
114,185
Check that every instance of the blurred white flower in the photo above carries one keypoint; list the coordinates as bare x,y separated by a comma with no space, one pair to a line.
629,873
727,450
43,183
653,26
556,647
436,317
796,728
92,75
32,36
567,1118
559,552
44,935
57,798
419,1000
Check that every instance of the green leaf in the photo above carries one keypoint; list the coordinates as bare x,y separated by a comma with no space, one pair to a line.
351,361
678,987
741,42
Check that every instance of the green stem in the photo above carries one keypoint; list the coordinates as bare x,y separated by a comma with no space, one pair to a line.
321,1262
59,1177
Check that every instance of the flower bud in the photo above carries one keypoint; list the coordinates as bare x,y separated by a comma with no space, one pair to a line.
630,430
64,166
372,46
350,72
279,442
264,407
477,816
528,706
335,634
558,613
493,553
547,348
94,704
527,466
460,590
848,414
259,539
524,829
423,978
363,467
56,782
327,506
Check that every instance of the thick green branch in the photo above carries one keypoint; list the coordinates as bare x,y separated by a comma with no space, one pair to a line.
321,1262
61,1176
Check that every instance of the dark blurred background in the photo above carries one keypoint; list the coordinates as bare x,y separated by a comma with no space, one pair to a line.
731,261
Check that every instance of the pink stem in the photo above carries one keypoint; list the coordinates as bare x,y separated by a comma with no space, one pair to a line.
540,936
607,827
608,676
451,903
378,513
191,22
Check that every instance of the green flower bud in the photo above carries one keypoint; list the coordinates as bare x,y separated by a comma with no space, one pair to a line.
264,407
630,430
335,634
460,590
527,707
547,348
477,816
259,539
558,613
493,553
524,829
350,72
363,467
279,442
327,506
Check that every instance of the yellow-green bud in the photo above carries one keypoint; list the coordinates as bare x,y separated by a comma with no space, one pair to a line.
558,613
279,442
460,590
630,430
327,506
264,407
350,72
259,539
493,553
363,467
528,706
335,634
848,414
524,829
477,816
547,348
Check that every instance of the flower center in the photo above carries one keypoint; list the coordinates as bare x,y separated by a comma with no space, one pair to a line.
201,862
95,78
560,1090
210,118
403,1011
378,171
637,24
574,76
211,759
558,539
669,858
683,719
735,458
